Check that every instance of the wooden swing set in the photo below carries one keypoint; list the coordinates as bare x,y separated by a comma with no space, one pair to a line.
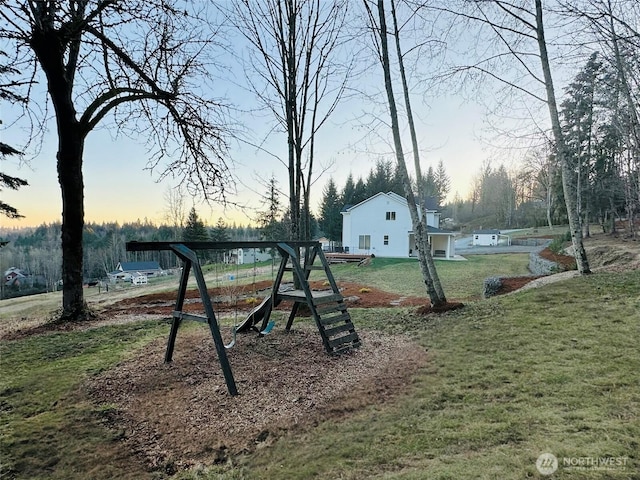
327,308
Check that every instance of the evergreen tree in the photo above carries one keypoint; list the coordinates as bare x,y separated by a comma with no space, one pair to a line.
380,178
194,230
269,221
8,181
442,183
348,192
220,233
359,192
578,114
396,185
429,184
330,220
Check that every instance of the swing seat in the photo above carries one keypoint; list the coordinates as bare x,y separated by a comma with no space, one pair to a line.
234,333
268,328
231,344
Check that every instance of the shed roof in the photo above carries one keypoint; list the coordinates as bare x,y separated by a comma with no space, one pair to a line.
136,266
486,232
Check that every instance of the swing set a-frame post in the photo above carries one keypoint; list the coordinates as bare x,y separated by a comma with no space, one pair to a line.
190,261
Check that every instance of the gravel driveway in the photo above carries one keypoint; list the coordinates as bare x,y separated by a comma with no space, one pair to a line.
464,247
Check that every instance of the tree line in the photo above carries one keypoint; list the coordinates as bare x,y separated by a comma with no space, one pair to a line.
37,251
599,130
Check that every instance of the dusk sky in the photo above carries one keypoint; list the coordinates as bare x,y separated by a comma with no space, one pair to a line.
118,188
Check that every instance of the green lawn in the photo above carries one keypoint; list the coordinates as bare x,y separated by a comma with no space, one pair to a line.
461,280
553,370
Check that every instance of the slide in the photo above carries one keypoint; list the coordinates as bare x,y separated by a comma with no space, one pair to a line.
255,316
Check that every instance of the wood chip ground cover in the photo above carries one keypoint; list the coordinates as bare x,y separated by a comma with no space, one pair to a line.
180,414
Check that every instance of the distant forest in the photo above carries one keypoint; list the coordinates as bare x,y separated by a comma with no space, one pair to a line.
38,252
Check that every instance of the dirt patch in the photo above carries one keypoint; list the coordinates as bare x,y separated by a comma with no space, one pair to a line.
180,414
565,262
242,298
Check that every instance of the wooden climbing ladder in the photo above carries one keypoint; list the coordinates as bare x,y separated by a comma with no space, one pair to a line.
327,307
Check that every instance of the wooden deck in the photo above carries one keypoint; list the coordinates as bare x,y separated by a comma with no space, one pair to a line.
345,257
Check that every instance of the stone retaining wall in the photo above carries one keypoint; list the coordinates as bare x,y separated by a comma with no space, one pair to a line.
530,242
541,266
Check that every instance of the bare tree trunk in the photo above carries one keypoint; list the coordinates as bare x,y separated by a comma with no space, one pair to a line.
549,202
569,195
69,166
424,248
420,231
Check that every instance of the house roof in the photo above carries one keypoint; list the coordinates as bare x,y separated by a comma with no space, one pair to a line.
486,232
430,202
391,195
16,271
438,231
135,266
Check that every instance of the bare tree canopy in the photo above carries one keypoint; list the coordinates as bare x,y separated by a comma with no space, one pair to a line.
143,68
295,70
380,32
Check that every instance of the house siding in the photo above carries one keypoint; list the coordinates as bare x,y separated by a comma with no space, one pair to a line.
384,214
371,219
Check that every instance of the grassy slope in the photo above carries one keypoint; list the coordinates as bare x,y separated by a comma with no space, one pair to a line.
554,369
551,370
48,431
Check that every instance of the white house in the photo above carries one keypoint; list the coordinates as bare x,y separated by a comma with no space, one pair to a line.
125,271
244,256
139,279
381,225
487,237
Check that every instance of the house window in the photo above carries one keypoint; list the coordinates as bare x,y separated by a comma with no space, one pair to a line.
364,242
493,237
386,240
391,215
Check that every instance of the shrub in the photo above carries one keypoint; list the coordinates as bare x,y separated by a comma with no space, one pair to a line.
492,286
559,242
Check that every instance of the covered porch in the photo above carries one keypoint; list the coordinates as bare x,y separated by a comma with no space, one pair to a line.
442,244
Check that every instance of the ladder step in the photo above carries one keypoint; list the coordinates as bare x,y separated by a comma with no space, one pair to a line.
347,327
339,307
335,319
336,297
314,267
337,342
